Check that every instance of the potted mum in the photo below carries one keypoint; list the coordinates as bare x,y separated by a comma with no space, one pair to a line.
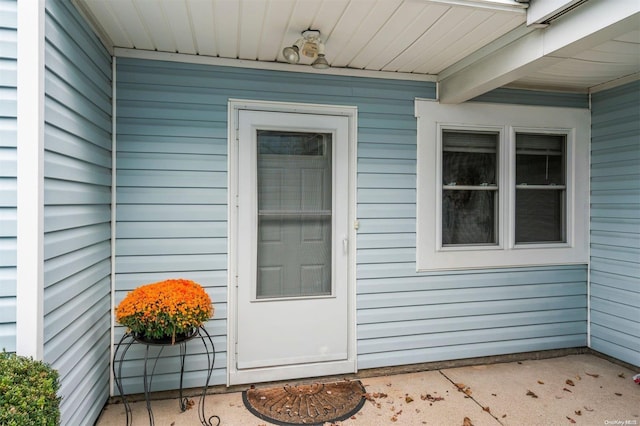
166,311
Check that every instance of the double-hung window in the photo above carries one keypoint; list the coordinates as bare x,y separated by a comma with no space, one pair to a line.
501,185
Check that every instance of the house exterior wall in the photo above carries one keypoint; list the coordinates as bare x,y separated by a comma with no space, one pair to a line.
172,218
77,182
171,215
615,222
8,172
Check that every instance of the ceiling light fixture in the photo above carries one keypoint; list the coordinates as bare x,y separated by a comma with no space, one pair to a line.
308,45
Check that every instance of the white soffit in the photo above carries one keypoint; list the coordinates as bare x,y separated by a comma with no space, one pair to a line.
470,46
407,36
608,61
596,43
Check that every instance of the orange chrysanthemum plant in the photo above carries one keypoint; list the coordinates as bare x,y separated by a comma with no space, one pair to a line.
165,309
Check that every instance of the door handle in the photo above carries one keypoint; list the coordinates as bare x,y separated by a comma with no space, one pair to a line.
345,245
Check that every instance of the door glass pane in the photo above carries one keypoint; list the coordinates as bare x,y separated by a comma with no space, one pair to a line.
470,190
294,214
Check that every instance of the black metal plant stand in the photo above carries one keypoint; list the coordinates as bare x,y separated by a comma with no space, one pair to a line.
125,343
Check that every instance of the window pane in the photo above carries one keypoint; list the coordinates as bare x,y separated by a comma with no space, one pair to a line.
540,212
540,159
469,158
469,217
539,216
294,214
290,143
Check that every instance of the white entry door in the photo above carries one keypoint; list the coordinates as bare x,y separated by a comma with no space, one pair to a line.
292,246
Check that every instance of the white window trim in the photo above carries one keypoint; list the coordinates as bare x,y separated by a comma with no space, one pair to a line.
29,332
507,119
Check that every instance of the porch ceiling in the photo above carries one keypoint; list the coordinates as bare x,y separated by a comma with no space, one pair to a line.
424,39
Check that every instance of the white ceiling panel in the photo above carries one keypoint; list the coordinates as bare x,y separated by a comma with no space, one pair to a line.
107,23
204,28
471,31
606,62
252,23
630,37
355,13
364,28
404,37
493,27
326,18
163,40
180,18
413,29
432,41
392,30
276,25
226,24
575,74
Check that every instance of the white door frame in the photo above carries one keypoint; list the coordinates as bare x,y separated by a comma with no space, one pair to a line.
234,106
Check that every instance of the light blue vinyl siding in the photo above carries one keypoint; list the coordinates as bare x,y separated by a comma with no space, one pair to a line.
77,214
8,169
405,318
172,173
172,219
615,222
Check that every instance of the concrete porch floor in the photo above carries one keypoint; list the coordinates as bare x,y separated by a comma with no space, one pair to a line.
574,389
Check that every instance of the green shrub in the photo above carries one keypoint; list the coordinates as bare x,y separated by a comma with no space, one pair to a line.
28,392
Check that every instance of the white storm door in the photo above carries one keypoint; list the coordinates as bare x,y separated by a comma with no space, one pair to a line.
292,248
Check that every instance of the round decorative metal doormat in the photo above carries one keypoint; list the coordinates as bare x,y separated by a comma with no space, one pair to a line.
312,404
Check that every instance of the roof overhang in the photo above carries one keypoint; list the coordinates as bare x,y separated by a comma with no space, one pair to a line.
527,51
469,47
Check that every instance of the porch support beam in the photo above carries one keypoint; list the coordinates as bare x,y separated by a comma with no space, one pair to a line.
502,5
589,25
30,180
